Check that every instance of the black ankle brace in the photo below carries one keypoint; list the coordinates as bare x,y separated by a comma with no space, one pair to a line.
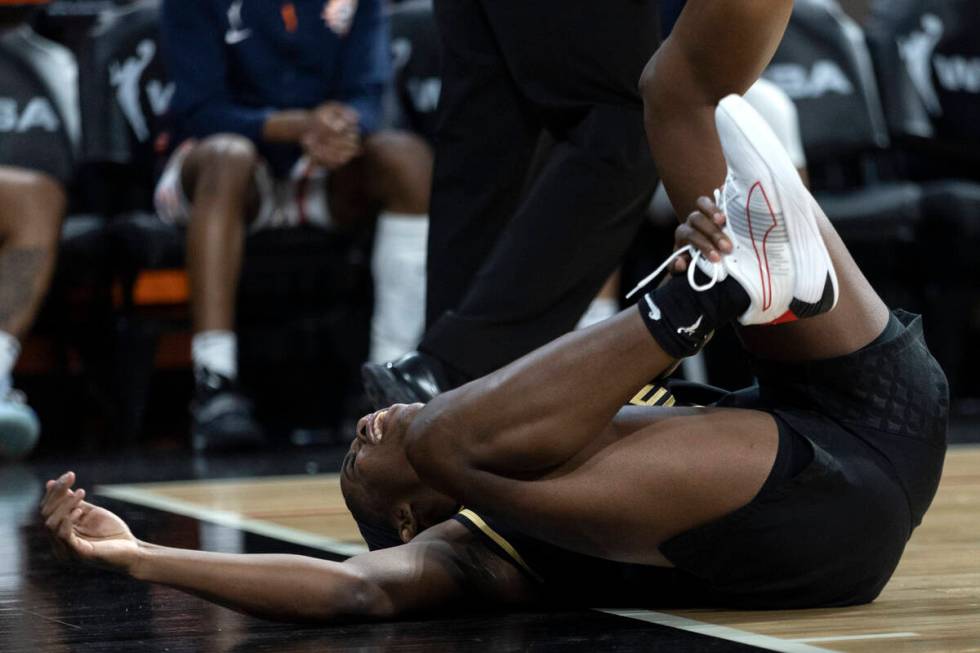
680,318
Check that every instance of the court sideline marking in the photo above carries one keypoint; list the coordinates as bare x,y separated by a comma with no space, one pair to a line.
719,632
150,499
845,638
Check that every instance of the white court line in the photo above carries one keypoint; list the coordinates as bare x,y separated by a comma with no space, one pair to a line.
150,499
720,632
844,638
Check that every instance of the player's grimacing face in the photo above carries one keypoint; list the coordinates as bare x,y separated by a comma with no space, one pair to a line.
376,465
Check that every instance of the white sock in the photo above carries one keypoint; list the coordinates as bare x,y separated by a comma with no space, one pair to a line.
217,351
600,309
398,266
9,351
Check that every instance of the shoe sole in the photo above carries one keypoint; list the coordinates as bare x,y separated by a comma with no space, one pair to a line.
383,388
802,228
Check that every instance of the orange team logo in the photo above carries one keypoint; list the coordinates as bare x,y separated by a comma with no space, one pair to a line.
339,14
289,19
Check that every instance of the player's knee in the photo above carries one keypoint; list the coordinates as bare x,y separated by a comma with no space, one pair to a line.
37,212
402,162
226,156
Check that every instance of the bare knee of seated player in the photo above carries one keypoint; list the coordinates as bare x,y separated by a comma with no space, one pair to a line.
222,168
32,205
399,165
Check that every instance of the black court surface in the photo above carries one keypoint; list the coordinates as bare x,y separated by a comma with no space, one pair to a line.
45,606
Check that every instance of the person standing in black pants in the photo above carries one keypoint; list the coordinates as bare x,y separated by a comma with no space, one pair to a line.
511,265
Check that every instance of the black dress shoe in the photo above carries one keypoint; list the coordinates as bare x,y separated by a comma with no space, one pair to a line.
415,377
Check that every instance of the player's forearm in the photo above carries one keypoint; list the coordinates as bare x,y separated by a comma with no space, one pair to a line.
718,47
277,587
287,126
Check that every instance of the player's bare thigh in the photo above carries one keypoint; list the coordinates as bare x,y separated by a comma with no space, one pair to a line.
652,474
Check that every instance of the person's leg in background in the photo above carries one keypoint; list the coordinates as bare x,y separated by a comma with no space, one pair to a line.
218,177
32,206
563,242
584,208
486,138
392,179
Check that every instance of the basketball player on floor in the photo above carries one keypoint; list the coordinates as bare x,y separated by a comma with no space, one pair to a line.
799,492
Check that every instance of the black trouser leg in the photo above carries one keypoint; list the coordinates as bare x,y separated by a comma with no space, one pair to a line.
486,136
523,275
568,235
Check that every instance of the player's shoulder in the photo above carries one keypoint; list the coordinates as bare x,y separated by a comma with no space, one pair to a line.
482,569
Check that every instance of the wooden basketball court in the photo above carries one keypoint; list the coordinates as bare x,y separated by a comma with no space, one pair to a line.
931,604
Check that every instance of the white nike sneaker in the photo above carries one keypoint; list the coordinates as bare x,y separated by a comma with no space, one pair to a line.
778,256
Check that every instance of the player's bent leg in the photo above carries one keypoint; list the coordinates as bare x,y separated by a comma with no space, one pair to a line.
391,179
32,206
31,209
769,208
219,177
399,171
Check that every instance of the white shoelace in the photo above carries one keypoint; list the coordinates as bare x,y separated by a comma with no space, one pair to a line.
695,258
692,266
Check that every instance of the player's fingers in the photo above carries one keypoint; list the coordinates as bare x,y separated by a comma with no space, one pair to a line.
64,508
54,501
688,235
707,206
57,490
681,262
709,228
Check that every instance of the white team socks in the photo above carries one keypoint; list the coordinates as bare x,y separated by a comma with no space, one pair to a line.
9,351
217,351
398,266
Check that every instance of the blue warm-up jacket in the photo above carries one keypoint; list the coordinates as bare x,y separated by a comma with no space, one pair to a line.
236,61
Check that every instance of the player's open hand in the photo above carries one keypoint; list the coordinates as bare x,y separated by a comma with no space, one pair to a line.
702,230
82,531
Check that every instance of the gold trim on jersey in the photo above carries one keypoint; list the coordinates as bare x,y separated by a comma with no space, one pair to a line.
653,395
499,540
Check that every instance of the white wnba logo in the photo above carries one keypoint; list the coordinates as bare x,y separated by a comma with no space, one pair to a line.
917,50
125,77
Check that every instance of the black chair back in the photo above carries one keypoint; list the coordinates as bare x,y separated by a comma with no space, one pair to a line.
32,128
125,97
823,64
415,54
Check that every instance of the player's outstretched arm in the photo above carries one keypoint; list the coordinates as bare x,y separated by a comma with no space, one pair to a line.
431,572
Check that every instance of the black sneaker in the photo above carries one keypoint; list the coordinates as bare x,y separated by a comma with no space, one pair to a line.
415,377
222,418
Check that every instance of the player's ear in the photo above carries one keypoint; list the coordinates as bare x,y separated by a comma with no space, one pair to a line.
408,524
